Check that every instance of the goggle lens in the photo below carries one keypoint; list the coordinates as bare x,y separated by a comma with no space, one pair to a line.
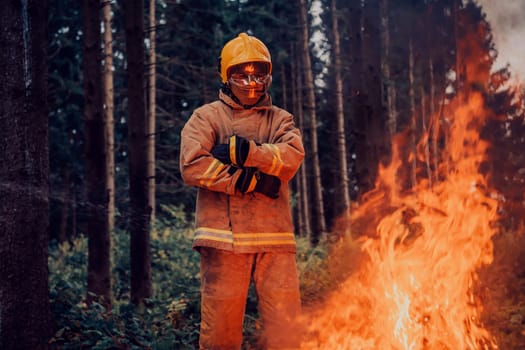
246,74
243,79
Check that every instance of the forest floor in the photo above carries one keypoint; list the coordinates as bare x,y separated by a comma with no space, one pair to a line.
501,292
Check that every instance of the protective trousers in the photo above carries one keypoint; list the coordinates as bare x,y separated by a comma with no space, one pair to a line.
225,279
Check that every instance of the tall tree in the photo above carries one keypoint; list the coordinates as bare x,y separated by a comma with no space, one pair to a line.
432,125
109,108
65,98
24,303
340,113
151,109
389,90
305,226
412,115
354,56
99,247
458,68
312,117
140,211
369,115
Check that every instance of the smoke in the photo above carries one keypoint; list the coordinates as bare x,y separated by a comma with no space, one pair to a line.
506,18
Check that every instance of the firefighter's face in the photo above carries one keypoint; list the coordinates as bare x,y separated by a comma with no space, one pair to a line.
249,81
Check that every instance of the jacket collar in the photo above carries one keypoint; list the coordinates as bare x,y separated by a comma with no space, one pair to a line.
264,103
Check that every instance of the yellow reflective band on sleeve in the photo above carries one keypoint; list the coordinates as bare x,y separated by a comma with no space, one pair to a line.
277,161
211,173
251,186
233,158
215,173
204,177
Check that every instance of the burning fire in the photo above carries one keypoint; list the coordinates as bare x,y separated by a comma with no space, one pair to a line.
414,287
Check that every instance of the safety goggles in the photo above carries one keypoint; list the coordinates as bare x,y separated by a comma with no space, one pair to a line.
246,73
242,79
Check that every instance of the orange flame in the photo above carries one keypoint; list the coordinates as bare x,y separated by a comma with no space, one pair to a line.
414,286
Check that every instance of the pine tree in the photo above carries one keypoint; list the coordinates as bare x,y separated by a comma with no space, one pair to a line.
99,246
24,169
140,212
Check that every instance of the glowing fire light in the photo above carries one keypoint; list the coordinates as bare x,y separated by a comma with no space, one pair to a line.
413,289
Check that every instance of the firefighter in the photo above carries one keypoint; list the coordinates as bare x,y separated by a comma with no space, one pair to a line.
241,151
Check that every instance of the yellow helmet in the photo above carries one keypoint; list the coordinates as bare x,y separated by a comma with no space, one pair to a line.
244,48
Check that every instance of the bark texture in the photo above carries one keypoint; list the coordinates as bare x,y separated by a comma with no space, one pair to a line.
109,120
151,110
25,320
99,247
341,134
311,113
140,211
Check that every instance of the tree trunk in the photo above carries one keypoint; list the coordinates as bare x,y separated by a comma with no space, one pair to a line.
284,87
311,112
425,132
434,124
341,134
305,226
432,88
65,205
388,86
109,121
459,70
74,218
295,188
355,86
412,104
370,118
99,247
25,319
151,111
140,212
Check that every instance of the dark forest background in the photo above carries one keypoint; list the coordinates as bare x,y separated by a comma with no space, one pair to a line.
423,59
90,136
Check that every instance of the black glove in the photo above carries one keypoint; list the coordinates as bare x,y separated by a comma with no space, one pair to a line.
234,152
268,185
222,153
252,180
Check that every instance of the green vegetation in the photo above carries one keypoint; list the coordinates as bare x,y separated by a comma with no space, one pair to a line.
170,319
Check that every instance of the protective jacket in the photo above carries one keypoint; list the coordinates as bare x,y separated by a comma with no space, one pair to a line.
225,218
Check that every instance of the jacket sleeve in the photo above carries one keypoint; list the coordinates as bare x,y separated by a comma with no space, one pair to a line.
283,155
198,167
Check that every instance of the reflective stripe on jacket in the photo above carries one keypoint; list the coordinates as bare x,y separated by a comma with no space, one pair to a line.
225,218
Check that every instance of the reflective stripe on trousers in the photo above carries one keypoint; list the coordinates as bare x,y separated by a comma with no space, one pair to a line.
225,279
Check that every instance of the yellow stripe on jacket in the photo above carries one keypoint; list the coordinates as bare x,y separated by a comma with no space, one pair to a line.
277,161
244,239
211,173
213,234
